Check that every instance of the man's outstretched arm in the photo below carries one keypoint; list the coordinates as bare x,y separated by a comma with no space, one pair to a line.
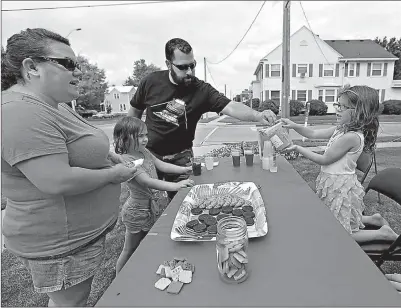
242,112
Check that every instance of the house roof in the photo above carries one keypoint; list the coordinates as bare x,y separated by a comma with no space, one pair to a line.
121,89
360,49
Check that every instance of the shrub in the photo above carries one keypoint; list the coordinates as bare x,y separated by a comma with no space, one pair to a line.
296,107
381,108
269,104
392,106
317,107
255,103
247,103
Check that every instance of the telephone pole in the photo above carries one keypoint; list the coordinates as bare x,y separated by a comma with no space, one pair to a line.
225,90
204,67
285,78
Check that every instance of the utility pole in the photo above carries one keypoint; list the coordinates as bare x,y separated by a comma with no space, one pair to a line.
204,64
225,90
285,78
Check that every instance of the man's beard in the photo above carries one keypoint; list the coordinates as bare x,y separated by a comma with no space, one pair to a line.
181,81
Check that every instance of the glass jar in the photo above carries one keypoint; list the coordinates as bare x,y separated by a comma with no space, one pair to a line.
232,249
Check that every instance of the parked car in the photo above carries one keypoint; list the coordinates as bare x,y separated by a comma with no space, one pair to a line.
103,115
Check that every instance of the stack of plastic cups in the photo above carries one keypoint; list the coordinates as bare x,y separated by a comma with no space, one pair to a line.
267,155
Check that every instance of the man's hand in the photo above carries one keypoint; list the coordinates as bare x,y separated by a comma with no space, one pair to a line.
266,117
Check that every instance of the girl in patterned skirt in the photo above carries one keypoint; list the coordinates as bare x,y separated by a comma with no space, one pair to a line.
337,184
148,197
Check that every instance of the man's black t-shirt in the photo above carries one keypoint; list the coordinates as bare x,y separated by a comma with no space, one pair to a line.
169,130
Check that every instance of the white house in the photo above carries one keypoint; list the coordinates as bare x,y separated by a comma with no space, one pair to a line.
119,97
320,67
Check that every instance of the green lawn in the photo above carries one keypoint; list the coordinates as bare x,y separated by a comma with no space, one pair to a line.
16,285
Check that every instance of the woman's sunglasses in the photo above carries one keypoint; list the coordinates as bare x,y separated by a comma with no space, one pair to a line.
185,67
64,62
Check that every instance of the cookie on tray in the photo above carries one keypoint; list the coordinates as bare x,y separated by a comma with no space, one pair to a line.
247,208
200,228
203,217
237,212
227,209
196,211
214,211
248,214
222,215
249,221
191,224
210,221
212,229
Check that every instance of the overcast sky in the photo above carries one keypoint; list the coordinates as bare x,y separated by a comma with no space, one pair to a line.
114,37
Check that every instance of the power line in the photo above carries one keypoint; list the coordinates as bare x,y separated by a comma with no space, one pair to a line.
314,36
243,36
95,5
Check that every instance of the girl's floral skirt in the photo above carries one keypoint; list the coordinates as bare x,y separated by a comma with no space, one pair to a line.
343,195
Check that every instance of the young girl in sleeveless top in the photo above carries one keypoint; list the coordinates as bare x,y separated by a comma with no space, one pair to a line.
148,197
337,184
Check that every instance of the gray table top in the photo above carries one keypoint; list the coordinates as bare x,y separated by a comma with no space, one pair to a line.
306,259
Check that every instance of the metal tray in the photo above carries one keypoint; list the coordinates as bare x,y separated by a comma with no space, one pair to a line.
246,190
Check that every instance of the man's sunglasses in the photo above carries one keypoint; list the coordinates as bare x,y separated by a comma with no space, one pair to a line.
185,67
65,62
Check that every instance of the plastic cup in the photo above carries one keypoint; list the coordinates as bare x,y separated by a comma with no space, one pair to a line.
196,166
248,152
209,163
235,154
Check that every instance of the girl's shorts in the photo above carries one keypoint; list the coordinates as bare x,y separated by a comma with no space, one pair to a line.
136,219
50,275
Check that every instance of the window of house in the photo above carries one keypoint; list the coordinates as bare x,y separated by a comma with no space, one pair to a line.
351,69
125,108
121,107
302,69
275,70
328,70
320,95
330,96
275,96
327,95
376,69
301,95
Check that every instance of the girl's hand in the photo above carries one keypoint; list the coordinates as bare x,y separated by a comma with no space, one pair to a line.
121,173
292,147
185,184
287,123
115,158
188,170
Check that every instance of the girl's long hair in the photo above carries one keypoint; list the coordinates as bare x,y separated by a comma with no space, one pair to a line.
365,116
125,131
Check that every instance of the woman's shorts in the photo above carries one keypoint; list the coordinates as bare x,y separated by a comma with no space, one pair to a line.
51,275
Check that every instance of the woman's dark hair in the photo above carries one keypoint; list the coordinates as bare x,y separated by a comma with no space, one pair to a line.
176,43
365,117
124,129
29,43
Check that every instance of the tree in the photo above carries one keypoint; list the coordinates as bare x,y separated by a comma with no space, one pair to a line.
393,46
141,69
93,85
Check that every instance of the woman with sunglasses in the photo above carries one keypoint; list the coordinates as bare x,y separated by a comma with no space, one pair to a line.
175,100
337,184
61,185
